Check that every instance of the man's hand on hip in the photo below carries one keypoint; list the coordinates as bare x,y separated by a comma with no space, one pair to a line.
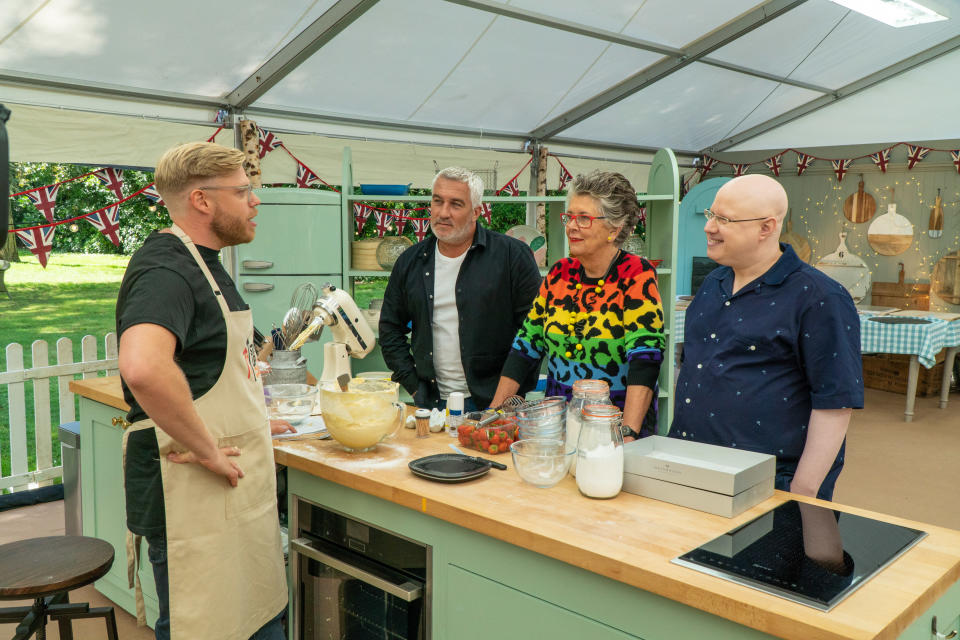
219,463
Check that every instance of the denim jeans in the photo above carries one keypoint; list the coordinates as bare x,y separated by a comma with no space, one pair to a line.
157,553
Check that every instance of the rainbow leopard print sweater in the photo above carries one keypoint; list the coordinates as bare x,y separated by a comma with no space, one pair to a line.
608,329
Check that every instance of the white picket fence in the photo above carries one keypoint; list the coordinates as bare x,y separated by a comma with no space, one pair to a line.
39,375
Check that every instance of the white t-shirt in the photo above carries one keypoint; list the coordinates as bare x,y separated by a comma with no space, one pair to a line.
446,325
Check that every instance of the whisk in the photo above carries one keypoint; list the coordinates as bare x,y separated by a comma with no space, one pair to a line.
301,311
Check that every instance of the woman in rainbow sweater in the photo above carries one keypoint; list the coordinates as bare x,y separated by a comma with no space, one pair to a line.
598,313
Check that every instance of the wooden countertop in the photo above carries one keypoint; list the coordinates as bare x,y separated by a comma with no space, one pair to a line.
105,390
629,538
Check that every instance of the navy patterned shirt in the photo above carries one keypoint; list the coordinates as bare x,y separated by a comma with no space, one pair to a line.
755,363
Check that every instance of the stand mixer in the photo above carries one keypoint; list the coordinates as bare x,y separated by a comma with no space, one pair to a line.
351,334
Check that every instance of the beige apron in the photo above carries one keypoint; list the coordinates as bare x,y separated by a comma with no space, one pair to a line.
225,562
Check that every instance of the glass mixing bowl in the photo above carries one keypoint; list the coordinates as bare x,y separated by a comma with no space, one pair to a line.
542,461
290,402
362,416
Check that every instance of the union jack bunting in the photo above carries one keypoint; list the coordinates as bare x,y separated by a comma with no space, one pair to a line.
39,241
112,179
382,219
45,200
268,142
706,164
400,220
881,159
803,163
153,195
915,154
512,187
840,167
774,164
565,177
487,213
740,169
955,156
360,213
107,222
420,227
305,177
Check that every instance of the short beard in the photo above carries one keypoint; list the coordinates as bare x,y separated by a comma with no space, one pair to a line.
457,237
230,231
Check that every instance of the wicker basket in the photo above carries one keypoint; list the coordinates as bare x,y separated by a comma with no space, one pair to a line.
363,255
889,371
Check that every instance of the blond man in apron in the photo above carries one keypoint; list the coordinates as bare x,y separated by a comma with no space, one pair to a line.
198,460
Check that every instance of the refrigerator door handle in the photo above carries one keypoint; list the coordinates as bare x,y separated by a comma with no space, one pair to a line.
257,287
257,264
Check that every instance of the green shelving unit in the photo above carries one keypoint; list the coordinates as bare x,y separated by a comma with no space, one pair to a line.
662,232
663,200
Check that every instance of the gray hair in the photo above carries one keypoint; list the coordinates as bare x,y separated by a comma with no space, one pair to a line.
615,198
459,174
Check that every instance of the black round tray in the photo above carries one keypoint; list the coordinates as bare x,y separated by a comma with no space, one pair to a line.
449,467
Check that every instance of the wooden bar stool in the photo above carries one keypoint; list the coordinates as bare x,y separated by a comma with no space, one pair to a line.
47,569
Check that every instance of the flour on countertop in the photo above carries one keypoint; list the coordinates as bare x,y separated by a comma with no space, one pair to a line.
383,457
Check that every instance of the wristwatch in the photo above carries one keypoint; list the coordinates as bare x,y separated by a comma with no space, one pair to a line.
627,430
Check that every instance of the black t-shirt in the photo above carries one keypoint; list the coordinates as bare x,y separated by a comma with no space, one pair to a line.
164,285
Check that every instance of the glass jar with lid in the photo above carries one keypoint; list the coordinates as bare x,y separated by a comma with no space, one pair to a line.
600,451
584,392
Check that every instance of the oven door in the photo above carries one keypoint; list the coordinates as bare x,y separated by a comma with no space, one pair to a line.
345,596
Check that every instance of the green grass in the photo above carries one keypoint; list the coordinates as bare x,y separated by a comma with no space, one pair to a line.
73,297
366,289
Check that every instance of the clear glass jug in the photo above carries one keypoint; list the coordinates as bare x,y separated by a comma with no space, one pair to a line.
584,392
600,451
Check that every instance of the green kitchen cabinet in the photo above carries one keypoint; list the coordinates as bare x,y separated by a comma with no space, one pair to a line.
297,241
104,506
269,299
298,232
482,588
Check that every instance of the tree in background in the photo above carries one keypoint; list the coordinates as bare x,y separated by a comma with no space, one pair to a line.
138,216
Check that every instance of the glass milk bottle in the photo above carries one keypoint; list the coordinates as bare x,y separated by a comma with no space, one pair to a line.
584,392
600,452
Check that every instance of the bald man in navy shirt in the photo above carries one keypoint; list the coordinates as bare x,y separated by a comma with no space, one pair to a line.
771,354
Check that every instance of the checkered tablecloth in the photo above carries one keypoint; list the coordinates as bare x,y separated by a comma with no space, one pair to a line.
924,340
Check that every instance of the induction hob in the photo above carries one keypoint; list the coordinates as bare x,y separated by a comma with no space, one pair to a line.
805,553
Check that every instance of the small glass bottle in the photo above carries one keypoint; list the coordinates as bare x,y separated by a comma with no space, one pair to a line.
455,411
584,392
600,452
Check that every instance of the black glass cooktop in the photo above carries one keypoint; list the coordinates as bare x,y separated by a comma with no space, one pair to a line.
805,553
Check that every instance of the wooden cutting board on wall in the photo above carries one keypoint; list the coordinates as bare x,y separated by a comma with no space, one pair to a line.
891,233
860,206
795,240
900,294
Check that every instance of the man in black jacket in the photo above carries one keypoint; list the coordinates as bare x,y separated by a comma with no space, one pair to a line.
462,295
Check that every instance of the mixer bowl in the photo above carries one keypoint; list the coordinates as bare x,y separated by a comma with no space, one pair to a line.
363,415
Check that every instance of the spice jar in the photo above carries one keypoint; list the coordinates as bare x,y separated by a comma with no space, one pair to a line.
422,416
584,392
600,451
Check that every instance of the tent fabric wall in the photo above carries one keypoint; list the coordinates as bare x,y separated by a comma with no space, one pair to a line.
378,162
45,134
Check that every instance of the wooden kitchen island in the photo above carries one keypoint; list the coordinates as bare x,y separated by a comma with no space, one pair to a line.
513,561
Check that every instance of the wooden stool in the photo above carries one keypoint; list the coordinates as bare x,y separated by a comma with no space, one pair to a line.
46,569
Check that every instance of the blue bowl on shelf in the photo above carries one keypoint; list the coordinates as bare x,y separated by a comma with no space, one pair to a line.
385,189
